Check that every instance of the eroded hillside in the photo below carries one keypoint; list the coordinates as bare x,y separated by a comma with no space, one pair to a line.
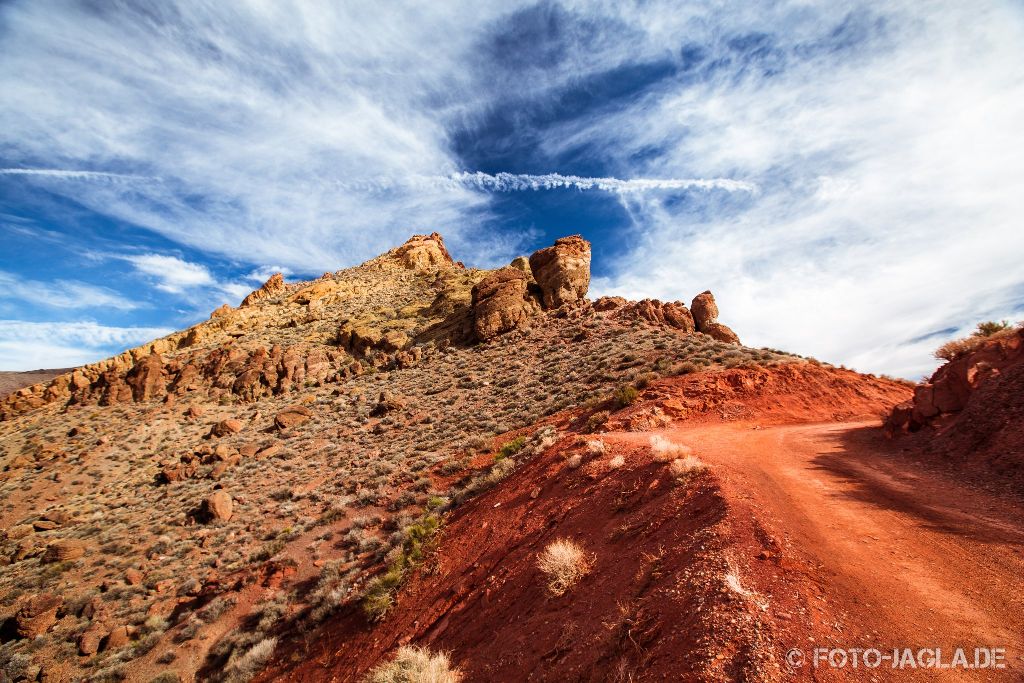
165,509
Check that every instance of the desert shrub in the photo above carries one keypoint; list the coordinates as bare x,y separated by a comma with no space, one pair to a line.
512,447
990,327
617,462
686,368
665,450
167,676
626,395
416,665
564,563
379,595
685,466
596,421
595,447
242,667
985,331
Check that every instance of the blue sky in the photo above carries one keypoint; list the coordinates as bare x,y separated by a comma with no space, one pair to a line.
846,177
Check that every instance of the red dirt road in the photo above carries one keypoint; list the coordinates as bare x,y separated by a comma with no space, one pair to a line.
888,553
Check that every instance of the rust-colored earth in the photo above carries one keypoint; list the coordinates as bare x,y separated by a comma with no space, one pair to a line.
808,530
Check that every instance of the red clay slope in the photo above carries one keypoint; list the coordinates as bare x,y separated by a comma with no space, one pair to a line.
680,582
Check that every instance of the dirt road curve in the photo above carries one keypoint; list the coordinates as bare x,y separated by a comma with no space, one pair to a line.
903,557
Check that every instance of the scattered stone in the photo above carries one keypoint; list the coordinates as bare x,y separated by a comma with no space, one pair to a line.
226,428
292,417
218,506
37,615
44,525
387,403
133,577
64,550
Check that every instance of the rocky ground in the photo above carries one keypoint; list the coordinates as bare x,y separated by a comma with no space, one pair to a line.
338,468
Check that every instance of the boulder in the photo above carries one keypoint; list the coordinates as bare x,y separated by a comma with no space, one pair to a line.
218,506
37,615
117,638
705,317
226,428
64,550
221,311
704,309
501,302
90,639
292,417
386,403
562,271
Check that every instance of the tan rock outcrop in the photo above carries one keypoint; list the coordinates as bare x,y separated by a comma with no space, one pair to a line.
292,417
705,317
501,302
274,286
423,253
562,271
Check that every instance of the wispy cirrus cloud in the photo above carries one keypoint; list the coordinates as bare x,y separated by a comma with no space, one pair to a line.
70,174
31,345
61,294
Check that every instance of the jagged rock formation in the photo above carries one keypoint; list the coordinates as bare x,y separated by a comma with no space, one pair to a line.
562,271
673,313
705,317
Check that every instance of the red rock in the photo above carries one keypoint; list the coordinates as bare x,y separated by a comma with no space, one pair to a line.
64,550
133,577
705,317
117,638
292,417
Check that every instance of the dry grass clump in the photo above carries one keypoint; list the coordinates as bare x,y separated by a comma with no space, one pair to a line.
564,563
595,447
666,451
985,331
244,666
416,665
687,465
616,462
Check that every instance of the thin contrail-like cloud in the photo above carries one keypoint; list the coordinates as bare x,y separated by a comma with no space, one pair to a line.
65,174
519,182
516,182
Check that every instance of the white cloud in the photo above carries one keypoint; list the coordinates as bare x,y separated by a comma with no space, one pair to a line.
173,274
67,294
33,345
891,198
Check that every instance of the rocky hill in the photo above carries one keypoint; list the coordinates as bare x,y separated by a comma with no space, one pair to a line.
970,412
334,469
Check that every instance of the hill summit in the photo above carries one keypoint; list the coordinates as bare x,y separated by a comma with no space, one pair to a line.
382,314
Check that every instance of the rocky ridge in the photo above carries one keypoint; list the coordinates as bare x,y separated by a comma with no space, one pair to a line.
381,314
